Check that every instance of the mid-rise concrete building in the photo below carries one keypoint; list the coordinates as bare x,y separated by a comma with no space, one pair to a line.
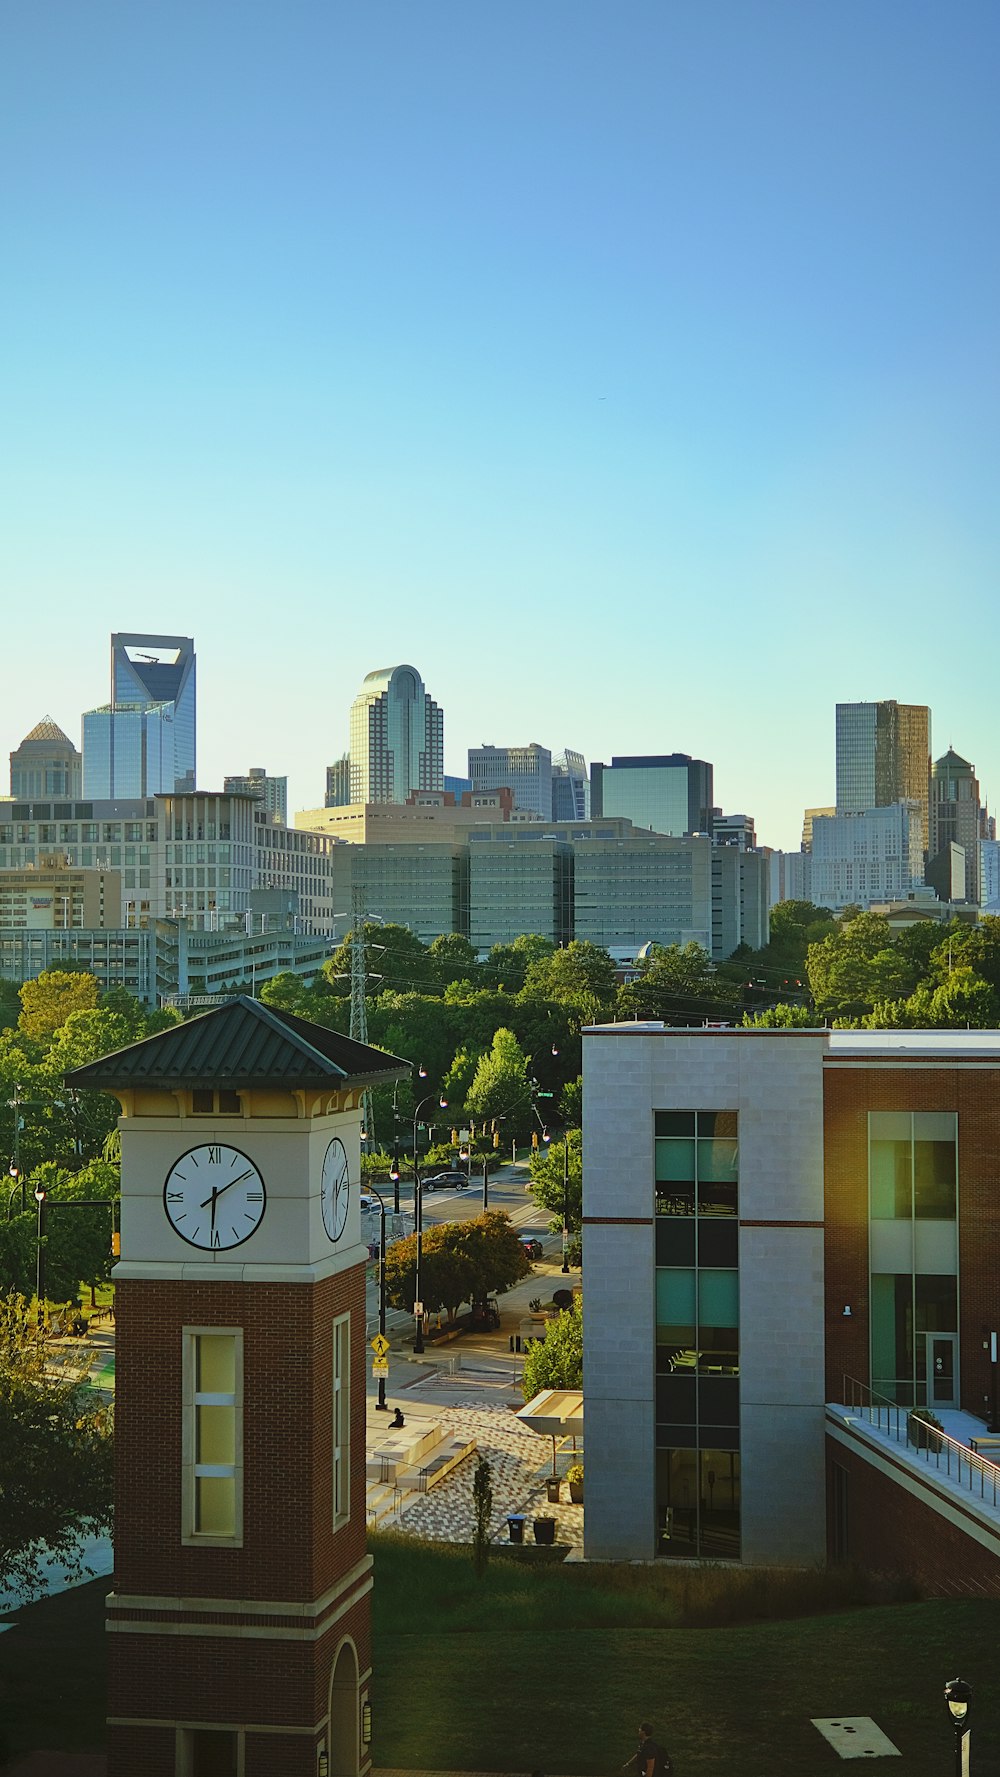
196,856
424,887
517,887
665,792
144,742
45,764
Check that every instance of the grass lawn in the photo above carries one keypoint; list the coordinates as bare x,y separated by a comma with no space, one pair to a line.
550,1667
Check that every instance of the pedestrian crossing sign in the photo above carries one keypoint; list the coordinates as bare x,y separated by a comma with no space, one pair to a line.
380,1346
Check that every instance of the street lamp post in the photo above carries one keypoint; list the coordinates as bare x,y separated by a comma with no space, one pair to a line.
418,1224
958,1696
40,1258
565,1215
381,1404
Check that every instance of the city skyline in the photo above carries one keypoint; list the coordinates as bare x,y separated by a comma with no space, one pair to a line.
312,778
636,376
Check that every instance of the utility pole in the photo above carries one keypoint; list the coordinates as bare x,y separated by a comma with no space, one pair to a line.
359,1007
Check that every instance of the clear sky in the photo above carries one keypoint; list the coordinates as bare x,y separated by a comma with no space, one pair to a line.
628,366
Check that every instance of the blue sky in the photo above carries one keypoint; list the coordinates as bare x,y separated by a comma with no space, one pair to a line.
629,368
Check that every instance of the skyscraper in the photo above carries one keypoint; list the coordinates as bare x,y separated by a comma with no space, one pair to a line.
883,756
664,792
570,787
958,816
525,770
45,764
270,792
397,737
143,743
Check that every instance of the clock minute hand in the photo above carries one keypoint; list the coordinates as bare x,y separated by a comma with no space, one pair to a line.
217,1190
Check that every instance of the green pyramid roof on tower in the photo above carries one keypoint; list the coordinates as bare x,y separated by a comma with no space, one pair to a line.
242,1043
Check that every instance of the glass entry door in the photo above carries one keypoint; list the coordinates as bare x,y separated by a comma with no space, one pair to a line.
942,1369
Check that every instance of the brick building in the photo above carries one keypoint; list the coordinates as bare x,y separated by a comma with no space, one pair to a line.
778,1222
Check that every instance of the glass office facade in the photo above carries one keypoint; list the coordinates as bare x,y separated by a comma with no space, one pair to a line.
697,1334
883,756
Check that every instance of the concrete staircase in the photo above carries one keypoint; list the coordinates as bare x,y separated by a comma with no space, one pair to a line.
410,1461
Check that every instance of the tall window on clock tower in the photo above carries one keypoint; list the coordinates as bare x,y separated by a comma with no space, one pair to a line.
341,1420
212,1507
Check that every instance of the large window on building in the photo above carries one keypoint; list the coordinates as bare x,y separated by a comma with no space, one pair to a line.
341,1419
913,1165
212,1508
913,1195
697,1333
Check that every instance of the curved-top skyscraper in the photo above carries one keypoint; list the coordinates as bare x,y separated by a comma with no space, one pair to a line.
397,737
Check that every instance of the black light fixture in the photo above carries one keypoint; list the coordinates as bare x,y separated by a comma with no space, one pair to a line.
958,1697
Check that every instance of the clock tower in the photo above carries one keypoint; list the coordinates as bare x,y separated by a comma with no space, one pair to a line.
239,1625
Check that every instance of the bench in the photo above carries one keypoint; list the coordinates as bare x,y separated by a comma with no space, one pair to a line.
977,1445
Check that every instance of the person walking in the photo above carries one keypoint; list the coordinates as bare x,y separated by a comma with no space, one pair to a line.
651,1760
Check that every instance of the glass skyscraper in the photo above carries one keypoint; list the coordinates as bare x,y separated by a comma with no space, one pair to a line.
397,737
666,793
143,743
883,756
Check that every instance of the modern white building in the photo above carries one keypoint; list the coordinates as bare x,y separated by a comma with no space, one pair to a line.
874,855
397,737
704,1331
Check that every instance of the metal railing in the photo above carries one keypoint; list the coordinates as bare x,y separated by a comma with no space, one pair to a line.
975,1473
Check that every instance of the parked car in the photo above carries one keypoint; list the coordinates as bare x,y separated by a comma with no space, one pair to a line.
367,1201
449,1180
532,1247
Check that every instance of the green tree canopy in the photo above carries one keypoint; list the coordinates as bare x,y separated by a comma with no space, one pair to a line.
581,976
674,982
557,1360
460,1262
507,964
55,1456
547,1178
500,1084
48,1000
855,966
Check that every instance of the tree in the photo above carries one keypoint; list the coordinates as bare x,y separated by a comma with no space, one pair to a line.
581,975
48,1000
781,1017
547,1178
557,1360
675,982
454,958
55,1456
856,966
459,1262
507,964
500,1084
571,1103
482,1512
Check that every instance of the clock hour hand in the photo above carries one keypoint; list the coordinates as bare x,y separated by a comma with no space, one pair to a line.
217,1190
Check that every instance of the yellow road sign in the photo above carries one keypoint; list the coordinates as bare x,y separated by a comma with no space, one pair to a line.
380,1346
380,1367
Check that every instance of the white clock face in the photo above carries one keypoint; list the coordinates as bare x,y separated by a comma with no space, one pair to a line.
214,1197
335,1189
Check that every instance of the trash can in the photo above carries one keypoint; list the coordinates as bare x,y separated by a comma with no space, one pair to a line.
545,1530
515,1527
552,1490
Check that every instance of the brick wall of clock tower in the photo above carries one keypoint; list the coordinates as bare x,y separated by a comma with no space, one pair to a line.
290,1556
